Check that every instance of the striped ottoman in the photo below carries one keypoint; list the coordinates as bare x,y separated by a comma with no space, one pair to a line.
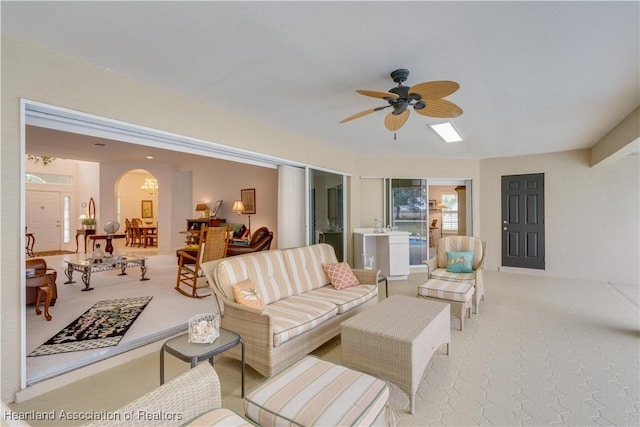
314,392
457,294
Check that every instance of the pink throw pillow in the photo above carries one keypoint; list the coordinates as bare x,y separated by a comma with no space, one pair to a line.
246,293
340,275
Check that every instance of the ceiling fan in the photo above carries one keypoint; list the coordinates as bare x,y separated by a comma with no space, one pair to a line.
425,98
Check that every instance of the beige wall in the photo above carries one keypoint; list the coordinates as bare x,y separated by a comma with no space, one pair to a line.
592,214
588,236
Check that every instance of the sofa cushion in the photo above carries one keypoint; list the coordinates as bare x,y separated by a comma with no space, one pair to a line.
446,290
443,274
266,269
344,299
314,392
219,417
305,266
294,315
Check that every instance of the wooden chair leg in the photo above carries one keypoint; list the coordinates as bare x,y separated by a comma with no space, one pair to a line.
46,290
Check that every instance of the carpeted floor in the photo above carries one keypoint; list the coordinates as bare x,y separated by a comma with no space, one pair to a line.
166,314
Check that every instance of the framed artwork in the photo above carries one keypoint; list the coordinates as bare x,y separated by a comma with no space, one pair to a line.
432,204
147,209
216,209
248,197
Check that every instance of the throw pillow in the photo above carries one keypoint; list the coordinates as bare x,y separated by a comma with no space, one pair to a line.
460,262
340,275
246,293
240,232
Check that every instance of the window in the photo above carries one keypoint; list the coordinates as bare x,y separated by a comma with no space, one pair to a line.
450,213
48,178
66,219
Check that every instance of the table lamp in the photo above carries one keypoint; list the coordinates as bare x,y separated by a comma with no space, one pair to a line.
238,207
203,208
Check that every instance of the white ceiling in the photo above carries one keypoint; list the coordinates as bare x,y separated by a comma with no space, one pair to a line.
535,76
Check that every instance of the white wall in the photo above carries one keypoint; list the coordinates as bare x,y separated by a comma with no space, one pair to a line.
592,214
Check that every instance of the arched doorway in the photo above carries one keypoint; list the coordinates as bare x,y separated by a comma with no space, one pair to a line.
137,197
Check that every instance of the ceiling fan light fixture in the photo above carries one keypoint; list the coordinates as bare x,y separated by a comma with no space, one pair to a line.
446,131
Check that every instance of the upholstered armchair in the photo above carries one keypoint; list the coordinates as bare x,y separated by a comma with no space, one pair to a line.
40,266
437,266
260,241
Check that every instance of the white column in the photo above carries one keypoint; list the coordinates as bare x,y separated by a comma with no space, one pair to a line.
291,209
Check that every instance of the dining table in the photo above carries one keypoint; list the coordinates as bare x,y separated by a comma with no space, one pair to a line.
148,234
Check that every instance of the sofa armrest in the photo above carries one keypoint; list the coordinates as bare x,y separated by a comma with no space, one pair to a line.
252,324
184,397
366,277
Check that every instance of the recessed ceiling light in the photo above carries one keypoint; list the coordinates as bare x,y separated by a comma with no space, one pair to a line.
150,157
446,131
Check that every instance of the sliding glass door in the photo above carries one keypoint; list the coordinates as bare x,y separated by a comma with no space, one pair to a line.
408,210
428,209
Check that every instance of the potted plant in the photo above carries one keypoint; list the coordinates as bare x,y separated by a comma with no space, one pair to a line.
89,223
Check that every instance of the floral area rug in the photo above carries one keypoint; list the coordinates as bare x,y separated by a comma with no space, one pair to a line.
103,325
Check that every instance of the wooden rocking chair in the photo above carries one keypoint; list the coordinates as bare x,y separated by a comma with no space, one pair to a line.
212,245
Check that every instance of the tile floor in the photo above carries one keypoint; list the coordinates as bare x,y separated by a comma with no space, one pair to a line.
542,351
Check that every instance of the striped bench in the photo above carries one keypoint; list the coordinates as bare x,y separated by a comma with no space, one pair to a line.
314,392
457,294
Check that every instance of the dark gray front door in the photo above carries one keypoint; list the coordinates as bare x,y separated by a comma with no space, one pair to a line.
523,221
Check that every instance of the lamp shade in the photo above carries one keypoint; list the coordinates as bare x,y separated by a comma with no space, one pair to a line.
441,206
201,207
238,207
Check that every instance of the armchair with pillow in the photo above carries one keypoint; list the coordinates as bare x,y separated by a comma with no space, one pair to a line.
460,259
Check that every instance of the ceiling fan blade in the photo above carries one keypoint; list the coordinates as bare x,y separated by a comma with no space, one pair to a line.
440,108
378,94
393,122
360,114
435,90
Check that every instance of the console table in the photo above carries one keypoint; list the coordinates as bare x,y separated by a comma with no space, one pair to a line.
108,238
84,233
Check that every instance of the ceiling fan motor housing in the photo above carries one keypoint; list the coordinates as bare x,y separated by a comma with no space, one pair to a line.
405,99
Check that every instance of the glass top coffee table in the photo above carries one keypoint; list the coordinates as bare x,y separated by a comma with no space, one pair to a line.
89,266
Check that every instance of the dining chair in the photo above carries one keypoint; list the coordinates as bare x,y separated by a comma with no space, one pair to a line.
128,232
212,245
137,234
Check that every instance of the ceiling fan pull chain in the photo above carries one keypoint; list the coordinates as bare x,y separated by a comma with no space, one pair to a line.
394,136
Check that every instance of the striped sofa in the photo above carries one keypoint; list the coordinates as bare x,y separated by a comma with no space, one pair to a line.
437,266
302,309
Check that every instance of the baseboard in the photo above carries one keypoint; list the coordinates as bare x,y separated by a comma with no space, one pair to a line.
529,271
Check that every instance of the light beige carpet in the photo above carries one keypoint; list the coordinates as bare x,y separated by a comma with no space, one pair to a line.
167,313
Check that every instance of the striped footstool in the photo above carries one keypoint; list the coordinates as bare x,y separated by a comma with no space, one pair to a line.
314,392
457,294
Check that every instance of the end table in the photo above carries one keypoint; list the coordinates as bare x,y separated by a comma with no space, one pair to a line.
181,348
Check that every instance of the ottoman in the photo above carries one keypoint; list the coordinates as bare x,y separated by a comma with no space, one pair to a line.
457,294
314,392
395,339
